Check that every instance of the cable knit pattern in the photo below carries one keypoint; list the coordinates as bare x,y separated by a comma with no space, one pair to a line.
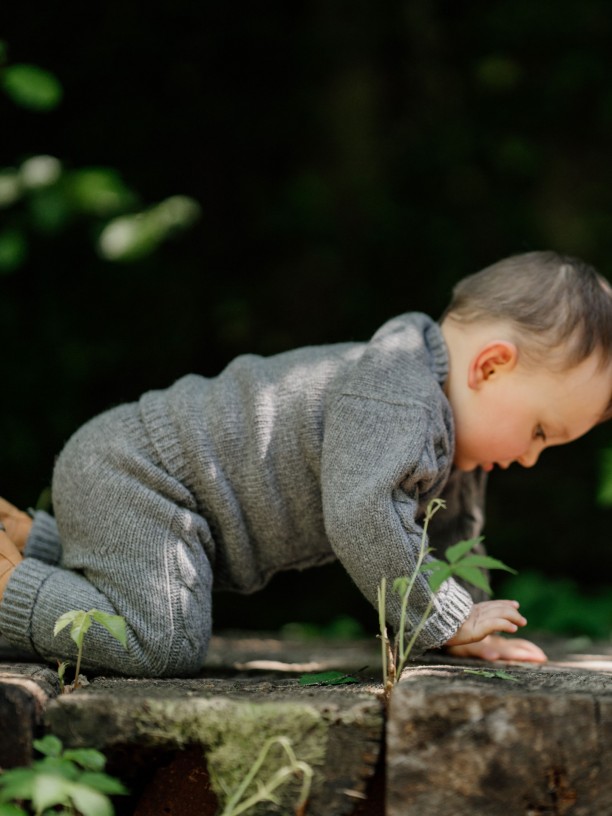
278,463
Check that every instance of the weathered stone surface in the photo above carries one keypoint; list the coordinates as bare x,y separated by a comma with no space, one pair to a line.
24,693
335,730
460,744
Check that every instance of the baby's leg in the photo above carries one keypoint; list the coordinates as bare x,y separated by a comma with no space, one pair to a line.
133,545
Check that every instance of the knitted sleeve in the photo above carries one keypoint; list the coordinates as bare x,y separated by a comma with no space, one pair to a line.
380,464
43,542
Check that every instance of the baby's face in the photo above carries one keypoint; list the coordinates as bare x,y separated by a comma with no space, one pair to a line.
514,416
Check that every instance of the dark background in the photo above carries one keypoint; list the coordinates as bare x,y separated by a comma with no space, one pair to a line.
351,161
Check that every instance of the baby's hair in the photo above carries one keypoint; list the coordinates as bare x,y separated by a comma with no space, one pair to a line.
553,302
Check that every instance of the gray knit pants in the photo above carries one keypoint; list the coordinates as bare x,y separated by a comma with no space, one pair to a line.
135,546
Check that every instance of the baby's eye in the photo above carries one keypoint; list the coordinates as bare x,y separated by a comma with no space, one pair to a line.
539,433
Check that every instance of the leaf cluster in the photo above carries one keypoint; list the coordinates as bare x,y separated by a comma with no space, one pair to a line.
460,564
71,779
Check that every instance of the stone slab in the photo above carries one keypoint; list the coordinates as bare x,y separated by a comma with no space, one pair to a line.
25,690
459,743
233,709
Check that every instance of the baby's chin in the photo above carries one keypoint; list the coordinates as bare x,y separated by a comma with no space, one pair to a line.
464,465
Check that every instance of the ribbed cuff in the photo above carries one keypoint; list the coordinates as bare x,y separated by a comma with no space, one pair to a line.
454,604
43,542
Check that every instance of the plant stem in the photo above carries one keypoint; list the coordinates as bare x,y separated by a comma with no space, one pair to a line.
75,685
403,651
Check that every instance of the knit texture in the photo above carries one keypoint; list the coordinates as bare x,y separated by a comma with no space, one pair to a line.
282,462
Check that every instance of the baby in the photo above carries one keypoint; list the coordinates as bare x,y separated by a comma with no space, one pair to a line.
322,453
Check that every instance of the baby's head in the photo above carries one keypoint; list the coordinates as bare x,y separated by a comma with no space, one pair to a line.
530,345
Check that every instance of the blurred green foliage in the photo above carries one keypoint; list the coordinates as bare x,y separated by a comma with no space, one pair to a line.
559,606
347,167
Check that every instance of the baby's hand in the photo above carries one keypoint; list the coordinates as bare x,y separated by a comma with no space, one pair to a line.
486,618
16,523
496,647
476,638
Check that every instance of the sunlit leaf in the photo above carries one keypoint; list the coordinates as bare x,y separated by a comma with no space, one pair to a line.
32,87
129,237
66,619
49,790
114,624
90,802
40,171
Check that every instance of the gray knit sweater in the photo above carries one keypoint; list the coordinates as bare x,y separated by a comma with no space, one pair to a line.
284,462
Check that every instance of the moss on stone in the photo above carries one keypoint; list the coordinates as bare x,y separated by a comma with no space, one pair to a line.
232,734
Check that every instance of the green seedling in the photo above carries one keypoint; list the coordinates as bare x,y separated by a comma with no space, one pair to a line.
459,562
80,622
69,782
240,801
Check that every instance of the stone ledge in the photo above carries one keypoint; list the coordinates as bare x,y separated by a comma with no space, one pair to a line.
460,744
457,743
25,691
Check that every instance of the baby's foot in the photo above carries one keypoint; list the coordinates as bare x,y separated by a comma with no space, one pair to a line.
10,557
16,523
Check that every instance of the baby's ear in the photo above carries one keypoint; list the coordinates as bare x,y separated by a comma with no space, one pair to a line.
497,357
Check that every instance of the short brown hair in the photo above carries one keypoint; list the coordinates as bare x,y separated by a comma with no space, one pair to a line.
552,300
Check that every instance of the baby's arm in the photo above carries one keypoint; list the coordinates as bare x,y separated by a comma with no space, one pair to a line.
476,636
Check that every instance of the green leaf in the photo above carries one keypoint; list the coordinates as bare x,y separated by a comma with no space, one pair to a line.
16,784
90,802
32,87
49,790
329,678
65,620
498,674
7,809
472,575
438,577
80,627
486,562
400,585
87,758
102,782
49,746
458,550
115,624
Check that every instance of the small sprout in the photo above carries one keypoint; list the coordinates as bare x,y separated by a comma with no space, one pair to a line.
460,563
241,802
80,622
